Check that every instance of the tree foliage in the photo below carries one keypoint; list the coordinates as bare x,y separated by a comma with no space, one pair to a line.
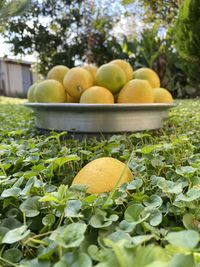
164,11
63,32
12,8
187,37
187,30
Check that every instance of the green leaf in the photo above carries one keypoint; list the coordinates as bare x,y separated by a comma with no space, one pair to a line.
35,263
49,219
69,236
16,235
190,222
12,192
186,239
181,260
72,208
127,226
191,195
135,184
3,231
45,253
153,201
100,219
31,206
60,161
133,213
185,171
74,260
13,255
137,240
155,217
119,235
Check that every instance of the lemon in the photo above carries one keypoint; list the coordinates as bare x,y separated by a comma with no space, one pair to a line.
97,94
162,95
57,73
71,99
30,93
76,81
111,77
149,75
125,66
136,91
102,174
92,69
50,91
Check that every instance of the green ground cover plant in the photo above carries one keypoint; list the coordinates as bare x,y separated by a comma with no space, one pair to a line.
154,221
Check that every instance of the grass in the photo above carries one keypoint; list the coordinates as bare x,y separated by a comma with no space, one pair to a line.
152,221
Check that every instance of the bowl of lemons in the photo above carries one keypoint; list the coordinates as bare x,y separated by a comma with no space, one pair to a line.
110,99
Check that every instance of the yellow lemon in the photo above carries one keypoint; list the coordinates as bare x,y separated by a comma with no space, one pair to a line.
162,95
57,73
71,99
76,81
101,175
97,94
50,91
111,77
92,69
149,75
125,66
30,93
136,91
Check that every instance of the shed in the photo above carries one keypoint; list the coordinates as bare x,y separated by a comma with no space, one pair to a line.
15,77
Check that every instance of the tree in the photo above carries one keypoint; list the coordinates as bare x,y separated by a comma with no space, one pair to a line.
187,40
164,11
63,32
11,9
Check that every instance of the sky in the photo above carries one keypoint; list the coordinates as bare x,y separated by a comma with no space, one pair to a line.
4,50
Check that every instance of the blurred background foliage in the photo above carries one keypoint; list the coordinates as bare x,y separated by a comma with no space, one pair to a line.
160,34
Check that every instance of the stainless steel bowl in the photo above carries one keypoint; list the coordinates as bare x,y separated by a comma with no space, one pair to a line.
99,118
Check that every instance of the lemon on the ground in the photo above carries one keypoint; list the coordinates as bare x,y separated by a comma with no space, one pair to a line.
136,91
126,67
111,77
162,95
98,95
76,81
92,69
57,73
149,75
50,91
102,174
30,93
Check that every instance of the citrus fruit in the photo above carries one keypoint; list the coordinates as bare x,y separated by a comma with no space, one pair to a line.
50,91
70,99
97,94
162,95
149,75
76,81
92,69
111,77
102,174
57,73
136,91
30,93
125,66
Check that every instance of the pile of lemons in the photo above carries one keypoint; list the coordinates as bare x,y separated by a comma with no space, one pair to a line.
114,82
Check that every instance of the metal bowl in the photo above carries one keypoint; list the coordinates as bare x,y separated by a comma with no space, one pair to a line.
99,118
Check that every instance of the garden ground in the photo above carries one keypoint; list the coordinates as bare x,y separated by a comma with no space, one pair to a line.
152,221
